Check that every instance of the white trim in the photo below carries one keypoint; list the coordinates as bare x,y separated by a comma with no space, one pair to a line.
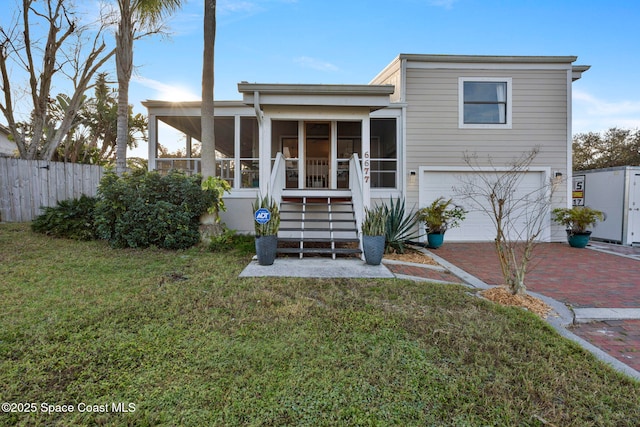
546,169
509,112
485,66
569,174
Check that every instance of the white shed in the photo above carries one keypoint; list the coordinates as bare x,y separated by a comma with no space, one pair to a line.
616,192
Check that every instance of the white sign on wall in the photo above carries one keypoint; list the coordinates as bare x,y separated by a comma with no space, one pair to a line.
578,190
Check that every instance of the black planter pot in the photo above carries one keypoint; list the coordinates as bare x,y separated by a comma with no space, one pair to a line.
266,248
373,247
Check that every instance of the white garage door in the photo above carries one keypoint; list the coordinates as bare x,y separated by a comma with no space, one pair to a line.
478,225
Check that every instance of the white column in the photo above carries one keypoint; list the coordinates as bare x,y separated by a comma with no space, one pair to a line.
366,162
236,153
265,155
302,155
333,156
153,142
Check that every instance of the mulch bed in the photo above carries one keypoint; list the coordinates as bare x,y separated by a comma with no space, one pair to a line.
502,295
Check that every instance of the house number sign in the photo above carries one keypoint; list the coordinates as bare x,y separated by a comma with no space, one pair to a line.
262,216
366,166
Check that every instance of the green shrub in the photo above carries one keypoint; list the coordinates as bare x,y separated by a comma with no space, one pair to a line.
143,209
72,219
231,240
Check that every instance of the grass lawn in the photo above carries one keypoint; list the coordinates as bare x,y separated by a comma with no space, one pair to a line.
176,338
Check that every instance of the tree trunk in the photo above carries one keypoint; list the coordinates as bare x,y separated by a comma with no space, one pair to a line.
208,153
124,66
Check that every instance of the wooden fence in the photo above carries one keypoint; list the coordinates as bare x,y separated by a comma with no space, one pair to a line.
28,185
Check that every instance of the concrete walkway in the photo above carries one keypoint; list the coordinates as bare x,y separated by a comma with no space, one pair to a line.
316,267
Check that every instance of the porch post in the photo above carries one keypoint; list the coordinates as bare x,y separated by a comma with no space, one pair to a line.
265,155
366,162
333,155
153,142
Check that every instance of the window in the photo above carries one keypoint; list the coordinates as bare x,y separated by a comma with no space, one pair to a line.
485,103
249,155
384,153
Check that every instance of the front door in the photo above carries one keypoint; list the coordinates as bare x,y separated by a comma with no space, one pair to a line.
317,154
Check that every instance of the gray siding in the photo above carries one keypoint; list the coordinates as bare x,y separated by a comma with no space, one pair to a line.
539,117
391,75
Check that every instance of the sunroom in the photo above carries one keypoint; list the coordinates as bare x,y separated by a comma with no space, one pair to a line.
289,141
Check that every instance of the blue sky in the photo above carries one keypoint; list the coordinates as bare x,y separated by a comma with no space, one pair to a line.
350,41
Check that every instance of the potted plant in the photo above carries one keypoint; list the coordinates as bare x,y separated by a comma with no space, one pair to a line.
267,223
577,219
438,217
373,234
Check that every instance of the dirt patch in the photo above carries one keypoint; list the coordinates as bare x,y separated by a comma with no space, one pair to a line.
502,295
412,255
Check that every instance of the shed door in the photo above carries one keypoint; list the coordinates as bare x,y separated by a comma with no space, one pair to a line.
477,226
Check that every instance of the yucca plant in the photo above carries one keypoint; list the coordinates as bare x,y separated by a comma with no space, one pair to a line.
400,227
271,227
375,220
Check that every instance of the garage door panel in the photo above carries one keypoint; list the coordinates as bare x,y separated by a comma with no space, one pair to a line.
478,225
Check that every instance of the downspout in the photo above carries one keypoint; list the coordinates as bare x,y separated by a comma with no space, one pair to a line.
256,107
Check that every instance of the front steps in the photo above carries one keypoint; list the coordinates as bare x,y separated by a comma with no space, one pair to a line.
318,223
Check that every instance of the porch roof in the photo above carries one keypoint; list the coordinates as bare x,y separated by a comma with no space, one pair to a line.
373,97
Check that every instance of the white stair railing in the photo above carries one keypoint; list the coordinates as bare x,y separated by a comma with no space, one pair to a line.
355,184
278,178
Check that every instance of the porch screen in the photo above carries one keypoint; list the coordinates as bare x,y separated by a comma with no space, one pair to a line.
384,152
249,154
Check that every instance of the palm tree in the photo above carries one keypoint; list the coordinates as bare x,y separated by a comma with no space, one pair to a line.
137,18
208,156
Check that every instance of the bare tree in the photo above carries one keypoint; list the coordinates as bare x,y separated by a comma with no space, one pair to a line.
520,217
63,51
207,107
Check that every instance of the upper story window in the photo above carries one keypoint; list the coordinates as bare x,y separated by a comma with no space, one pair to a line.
484,102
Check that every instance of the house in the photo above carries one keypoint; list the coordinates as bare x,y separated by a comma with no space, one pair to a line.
402,135
8,148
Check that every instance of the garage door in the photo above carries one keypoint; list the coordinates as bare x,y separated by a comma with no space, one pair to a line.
477,226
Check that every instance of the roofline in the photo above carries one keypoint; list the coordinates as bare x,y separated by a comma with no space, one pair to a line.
155,103
315,89
5,129
488,58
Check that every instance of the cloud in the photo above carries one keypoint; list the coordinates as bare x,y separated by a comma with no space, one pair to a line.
248,7
591,114
315,64
229,6
447,4
167,92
